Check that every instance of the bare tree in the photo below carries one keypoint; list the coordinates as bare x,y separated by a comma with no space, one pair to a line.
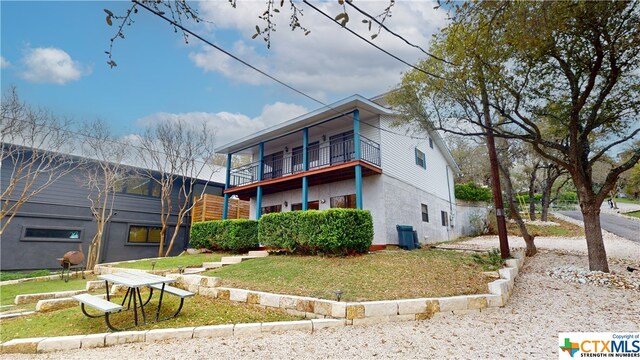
101,176
35,147
175,155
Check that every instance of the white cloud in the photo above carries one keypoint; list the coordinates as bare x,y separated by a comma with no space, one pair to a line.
329,60
230,126
4,63
51,65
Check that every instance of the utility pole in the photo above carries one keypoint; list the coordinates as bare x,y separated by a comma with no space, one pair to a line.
495,171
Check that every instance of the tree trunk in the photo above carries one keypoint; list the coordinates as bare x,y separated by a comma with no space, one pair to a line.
593,232
546,202
531,249
532,192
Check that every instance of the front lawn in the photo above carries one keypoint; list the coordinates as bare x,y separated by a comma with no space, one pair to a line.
563,229
172,262
8,292
633,213
197,311
381,275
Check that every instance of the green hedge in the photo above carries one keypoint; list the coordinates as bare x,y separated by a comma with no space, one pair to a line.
331,232
472,192
237,235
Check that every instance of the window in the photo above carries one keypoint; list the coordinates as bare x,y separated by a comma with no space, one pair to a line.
345,201
431,143
144,234
51,234
445,218
296,159
313,154
138,185
311,205
271,209
425,213
420,159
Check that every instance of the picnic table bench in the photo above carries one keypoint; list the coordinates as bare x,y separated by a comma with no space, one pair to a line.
133,281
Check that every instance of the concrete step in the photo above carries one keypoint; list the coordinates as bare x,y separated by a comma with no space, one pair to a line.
194,270
260,253
228,260
212,265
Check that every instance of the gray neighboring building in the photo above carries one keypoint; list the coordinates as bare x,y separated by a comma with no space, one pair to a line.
59,218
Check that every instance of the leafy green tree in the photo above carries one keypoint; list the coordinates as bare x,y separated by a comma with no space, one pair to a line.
561,76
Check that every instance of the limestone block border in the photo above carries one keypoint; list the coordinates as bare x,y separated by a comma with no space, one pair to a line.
74,342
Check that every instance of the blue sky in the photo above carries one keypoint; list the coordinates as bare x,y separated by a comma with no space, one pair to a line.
53,52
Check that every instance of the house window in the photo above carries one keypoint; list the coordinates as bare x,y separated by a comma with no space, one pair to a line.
421,159
345,201
425,213
271,209
431,143
296,159
445,218
311,205
51,234
138,185
144,234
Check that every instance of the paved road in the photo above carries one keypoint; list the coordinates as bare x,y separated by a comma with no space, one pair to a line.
626,228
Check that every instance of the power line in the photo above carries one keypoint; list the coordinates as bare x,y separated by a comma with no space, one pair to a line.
372,44
262,72
379,23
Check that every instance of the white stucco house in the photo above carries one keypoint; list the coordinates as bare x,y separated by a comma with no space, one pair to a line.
349,154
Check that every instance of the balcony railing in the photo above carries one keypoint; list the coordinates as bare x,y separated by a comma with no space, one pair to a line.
337,151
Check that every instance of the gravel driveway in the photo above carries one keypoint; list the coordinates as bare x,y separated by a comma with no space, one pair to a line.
527,327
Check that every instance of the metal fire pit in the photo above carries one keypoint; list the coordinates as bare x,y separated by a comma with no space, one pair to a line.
72,260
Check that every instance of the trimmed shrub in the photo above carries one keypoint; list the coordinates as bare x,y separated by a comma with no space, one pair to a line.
331,232
472,192
235,235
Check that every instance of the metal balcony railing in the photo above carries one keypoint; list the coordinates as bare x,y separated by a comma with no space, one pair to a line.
335,152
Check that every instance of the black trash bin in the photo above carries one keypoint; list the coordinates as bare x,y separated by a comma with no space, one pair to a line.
405,237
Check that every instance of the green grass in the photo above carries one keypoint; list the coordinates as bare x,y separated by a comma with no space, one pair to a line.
562,229
173,262
382,275
633,213
15,275
8,292
627,201
197,311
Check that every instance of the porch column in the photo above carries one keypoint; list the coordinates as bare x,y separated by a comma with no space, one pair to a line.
259,189
356,147
225,208
305,167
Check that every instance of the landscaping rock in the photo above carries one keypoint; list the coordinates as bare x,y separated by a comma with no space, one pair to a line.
55,304
213,331
60,343
21,346
169,334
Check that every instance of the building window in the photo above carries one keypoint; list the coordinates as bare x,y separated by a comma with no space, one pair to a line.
311,205
272,166
421,160
51,234
425,213
445,218
144,234
138,185
313,154
271,209
345,201
431,143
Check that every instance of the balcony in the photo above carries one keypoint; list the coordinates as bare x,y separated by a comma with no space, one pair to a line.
336,154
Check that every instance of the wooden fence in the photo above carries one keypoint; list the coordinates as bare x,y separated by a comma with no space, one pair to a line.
210,208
